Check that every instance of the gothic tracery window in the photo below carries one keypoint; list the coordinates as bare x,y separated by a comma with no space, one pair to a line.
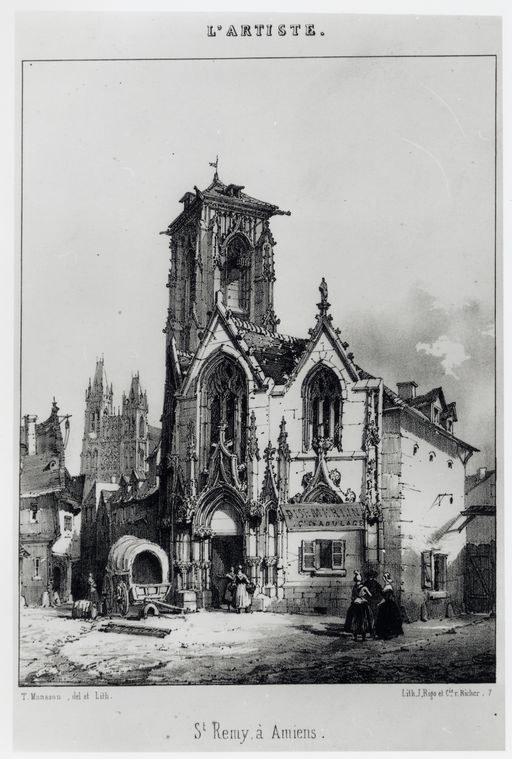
322,407
234,274
226,404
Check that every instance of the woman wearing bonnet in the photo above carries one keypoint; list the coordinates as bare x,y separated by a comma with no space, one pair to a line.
359,619
389,620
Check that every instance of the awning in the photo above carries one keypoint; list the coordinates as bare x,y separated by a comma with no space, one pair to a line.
125,550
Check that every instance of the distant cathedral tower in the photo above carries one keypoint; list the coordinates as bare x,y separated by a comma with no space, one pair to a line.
114,443
134,443
221,241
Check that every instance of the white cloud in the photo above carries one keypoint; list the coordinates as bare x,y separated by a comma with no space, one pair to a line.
452,354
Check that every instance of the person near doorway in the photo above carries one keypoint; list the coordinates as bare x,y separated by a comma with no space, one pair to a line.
359,619
92,594
230,590
242,597
389,620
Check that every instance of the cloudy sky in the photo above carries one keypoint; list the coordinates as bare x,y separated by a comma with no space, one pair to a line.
387,166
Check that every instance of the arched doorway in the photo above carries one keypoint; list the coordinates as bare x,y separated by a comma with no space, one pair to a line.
57,580
227,548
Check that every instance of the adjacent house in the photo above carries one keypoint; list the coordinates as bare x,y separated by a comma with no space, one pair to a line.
49,511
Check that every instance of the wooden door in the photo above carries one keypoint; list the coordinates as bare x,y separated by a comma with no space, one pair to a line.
480,578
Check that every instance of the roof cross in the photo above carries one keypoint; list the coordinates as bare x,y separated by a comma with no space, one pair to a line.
215,165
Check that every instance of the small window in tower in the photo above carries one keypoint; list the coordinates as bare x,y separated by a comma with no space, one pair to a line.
68,522
33,513
234,274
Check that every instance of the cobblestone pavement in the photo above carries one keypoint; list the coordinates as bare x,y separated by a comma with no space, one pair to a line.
221,647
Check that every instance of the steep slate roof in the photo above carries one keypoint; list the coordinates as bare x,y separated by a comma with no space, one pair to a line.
220,194
430,397
393,400
472,480
218,191
277,354
37,478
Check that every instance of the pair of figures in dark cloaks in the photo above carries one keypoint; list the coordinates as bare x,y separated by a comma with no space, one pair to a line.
373,611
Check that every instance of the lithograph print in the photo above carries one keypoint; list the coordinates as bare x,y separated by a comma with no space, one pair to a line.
258,368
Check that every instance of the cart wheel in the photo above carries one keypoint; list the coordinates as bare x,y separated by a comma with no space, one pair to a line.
123,601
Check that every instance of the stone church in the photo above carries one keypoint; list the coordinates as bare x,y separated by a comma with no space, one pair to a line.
115,442
280,453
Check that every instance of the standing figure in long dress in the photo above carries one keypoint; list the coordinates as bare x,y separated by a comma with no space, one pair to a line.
242,597
389,619
92,594
359,619
375,588
230,590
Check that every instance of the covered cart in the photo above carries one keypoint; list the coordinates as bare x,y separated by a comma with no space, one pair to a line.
136,578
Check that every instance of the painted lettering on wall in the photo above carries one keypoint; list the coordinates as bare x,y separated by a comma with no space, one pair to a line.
322,516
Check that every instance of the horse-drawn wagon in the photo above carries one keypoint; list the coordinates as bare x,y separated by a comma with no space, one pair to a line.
136,578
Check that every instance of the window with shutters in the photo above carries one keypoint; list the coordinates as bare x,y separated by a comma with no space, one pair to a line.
323,556
434,571
440,567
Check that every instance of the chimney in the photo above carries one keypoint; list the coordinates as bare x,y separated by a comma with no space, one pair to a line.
30,433
482,472
407,390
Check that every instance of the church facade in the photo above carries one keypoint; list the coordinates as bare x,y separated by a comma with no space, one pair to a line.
280,453
115,442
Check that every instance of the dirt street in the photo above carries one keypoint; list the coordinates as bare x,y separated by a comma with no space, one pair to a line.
220,647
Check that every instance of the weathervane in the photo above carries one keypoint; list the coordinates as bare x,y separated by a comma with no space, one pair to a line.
215,165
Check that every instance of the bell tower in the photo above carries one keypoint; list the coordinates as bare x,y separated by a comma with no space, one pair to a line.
98,404
221,241
134,445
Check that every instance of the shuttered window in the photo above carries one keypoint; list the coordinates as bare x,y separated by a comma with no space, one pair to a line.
434,569
338,554
308,555
322,555
426,569
440,562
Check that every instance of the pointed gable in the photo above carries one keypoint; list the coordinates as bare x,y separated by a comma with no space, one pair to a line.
223,334
324,331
